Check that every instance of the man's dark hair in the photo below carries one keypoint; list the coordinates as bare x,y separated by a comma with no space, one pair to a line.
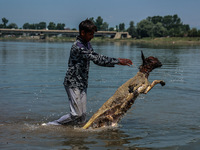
87,26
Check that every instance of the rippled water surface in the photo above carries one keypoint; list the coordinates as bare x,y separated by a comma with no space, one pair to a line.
31,93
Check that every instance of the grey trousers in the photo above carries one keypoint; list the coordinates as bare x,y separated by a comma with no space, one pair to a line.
77,101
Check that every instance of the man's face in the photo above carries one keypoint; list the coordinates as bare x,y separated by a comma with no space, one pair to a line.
87,36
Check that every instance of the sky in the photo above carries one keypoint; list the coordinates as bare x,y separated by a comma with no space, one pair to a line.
114,12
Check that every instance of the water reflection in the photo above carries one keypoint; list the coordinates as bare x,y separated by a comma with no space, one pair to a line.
114,138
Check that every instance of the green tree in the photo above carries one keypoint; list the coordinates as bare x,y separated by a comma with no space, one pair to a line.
155,19
144,28
172,24
33,26
92,19
198,33
26,26
176,25
176,21
104,26
121,27
117,28
51,26
5,21
60,26
12,26
167,22
132,30
193,32
111,29
101,26
99,23
42,25
184,30
37,26
158,30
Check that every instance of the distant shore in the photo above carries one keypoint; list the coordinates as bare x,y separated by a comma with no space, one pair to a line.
155,41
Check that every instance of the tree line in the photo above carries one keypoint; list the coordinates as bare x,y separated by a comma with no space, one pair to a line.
40,25
156,26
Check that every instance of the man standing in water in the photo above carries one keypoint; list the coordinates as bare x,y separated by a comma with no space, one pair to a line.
76,79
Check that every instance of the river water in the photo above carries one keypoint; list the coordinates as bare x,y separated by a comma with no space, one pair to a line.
32,93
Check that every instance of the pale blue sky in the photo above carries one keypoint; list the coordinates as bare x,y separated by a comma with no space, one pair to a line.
72,12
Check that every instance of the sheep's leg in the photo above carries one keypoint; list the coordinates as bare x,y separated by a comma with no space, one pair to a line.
153,84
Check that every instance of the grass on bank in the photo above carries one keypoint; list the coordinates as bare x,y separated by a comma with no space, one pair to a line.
167,40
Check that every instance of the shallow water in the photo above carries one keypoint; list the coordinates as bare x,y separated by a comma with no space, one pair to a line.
31,93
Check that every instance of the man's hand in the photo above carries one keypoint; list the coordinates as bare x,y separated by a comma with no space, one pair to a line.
125,62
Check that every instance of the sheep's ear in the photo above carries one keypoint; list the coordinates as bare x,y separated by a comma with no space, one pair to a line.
143,58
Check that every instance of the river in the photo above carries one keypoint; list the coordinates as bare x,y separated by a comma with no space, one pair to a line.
32,93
